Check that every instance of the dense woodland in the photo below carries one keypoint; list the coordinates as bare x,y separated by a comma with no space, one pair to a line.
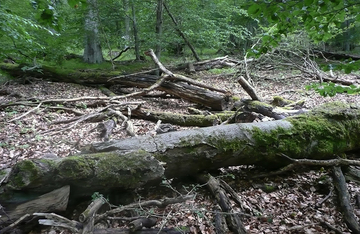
164,116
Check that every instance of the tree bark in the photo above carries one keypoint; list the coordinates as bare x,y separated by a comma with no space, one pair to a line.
126,36
180,119
216,101
196,56
131,163
92,51
135,31
56,200
344,201
158,28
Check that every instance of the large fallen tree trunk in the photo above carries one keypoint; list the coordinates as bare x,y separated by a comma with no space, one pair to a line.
182,89
320,134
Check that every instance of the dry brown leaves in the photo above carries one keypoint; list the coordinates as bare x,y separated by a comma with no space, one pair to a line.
288,209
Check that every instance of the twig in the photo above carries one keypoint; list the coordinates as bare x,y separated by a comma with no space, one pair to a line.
330,162
318,205
37,107
159,203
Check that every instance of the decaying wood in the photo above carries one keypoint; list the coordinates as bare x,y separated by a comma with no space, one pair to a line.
138,224
336,56
56,220
137,161
16,214
181,119
143,231
159,203
119,53
56,200
232,218
13,227
91,209
248,88
220,223
89,218
177,77
186,89
295,163
262,108
344,200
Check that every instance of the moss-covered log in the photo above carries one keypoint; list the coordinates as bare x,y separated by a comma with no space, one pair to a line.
214,100
181,119
330,130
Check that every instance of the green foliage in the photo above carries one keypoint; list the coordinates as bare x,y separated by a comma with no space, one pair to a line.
19,29
321,20
331,89
97,195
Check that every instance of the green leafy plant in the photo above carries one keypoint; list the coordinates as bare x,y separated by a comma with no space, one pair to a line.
97,195
321,20
331,89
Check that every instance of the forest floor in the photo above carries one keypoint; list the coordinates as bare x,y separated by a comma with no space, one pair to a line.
292,207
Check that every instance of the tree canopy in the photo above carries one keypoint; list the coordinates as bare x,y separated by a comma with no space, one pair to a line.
31,29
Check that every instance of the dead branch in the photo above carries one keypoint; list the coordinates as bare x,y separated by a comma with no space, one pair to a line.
90,117
14,224
233,220
327,163
59,221
56,200
152,55
28,112
178,77
248,88
159,203
87,217
344,200
309,162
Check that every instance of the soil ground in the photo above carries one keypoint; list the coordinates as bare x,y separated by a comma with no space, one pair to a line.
290,208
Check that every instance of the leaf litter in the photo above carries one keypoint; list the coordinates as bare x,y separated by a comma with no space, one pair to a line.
290,208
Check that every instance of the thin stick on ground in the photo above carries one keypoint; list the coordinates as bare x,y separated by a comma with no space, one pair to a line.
23,115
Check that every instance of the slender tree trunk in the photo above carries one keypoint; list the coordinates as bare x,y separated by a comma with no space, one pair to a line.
346,41
135,31
126,36
158,29
92,51
181,33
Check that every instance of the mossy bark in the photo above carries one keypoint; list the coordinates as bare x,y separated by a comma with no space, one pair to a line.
216,101
182,119
323,133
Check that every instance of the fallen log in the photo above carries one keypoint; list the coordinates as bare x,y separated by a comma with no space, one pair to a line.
55,201
191,92
335,56
181,119
330,129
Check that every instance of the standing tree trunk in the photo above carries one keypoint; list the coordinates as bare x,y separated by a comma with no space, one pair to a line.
92,51
347,37
181,33
126,37
158,29
135,31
